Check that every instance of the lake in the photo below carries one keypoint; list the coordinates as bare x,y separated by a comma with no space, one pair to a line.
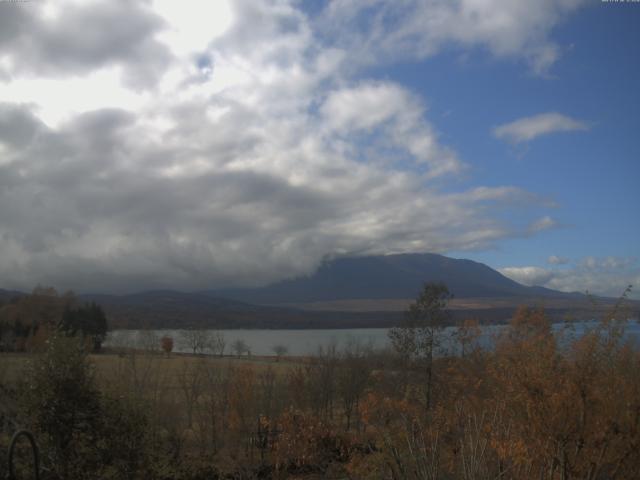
307,342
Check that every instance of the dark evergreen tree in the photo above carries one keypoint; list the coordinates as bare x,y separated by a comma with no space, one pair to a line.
88,320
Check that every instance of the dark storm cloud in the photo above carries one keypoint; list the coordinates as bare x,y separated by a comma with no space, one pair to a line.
82,181
86,207
83,37
18,125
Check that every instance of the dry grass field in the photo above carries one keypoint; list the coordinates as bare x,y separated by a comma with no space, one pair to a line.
110,365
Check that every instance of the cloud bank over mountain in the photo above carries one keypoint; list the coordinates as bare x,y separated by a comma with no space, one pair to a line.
163,144
603,275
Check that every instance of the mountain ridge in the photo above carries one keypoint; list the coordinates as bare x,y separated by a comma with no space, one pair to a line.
391,277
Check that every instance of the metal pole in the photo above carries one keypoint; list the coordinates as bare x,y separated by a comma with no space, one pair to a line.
34,450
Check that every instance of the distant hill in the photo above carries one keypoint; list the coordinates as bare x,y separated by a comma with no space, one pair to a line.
7,295
390,277
173,309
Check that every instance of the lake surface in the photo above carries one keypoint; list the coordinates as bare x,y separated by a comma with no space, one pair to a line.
307,342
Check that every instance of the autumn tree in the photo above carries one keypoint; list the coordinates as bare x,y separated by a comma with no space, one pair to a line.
419,335
213,415
242,407
353,377
83,433
24,316
61,400
190,381
320,381
166,343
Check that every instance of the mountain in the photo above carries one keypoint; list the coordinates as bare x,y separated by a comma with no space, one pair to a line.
389,277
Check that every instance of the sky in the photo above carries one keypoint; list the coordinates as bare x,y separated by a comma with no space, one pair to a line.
193,145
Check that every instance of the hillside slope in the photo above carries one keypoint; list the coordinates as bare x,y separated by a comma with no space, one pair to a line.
389,277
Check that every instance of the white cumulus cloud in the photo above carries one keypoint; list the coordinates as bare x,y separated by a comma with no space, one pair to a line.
529,128
422,28
140,153
556,260
608,276
541,224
